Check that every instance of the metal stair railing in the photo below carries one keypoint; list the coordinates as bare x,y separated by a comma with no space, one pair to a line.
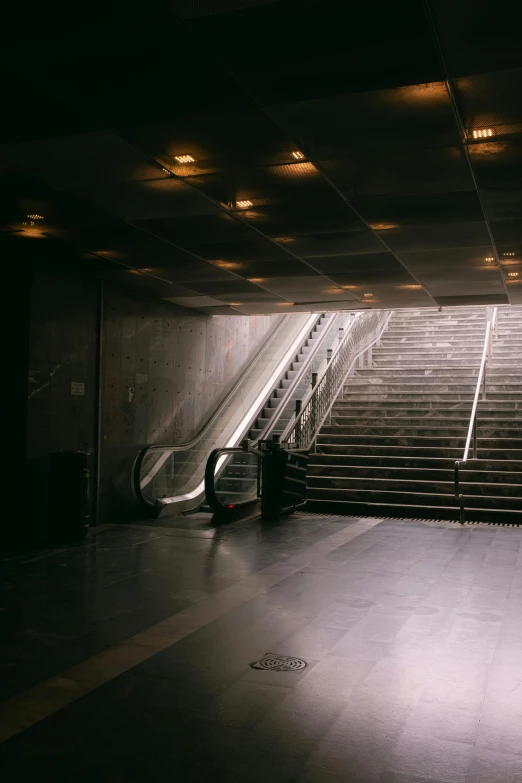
471,439
219,457
356,346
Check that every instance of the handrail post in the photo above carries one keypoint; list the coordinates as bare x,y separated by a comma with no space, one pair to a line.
475,437
314,380
457,478
298,406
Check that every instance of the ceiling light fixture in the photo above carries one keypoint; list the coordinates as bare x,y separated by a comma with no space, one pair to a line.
489,259
234,304
411,287
285,304
40,217
284,240
512,274
184,158
508,255
256,279
367,294
483,133
229,264
350,287
243,204
298,155
382,226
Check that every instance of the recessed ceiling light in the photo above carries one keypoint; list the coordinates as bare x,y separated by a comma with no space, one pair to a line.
489,259
284,240
285,304
298,155
35,217
367,294
483,133
512,274
411,287
508,255
184,158
165,170
229,264
256,279
350,287
234,304
382,226
243,204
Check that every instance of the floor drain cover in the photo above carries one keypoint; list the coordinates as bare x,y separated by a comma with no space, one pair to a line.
279,663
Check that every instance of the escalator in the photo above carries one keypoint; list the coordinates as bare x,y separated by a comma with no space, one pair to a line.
169,479
272,466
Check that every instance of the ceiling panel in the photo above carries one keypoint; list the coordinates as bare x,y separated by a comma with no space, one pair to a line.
158,199
466,258
255,250
334,244
497,163
216,226
82,160
407,118
271,152
491,101
287,220
507,232
437,208
415,171
318,57
476,35
431,237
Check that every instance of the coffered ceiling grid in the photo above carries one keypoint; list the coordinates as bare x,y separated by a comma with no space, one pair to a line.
329,167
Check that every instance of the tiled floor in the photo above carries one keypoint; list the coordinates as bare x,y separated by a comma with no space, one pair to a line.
127,657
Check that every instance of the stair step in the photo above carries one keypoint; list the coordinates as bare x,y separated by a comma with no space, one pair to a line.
411,473
424,498
415,485
410,511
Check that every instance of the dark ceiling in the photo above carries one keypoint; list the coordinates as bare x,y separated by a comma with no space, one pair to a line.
262,156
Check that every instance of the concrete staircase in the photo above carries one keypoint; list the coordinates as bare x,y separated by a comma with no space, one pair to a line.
399,425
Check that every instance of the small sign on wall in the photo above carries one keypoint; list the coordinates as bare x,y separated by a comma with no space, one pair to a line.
78,389
131,393
34,376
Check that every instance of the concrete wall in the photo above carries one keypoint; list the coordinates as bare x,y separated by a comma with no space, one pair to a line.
164,371
62,386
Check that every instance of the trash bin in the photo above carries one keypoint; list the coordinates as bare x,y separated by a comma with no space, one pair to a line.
69,501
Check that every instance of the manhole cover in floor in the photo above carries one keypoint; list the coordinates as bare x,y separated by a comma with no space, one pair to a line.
279,663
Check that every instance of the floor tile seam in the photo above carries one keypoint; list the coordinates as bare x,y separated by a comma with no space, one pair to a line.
144,645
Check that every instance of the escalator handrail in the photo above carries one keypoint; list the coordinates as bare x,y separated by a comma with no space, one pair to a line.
295,381
137,481
212,469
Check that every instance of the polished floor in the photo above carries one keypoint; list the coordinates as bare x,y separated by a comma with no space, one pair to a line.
128,657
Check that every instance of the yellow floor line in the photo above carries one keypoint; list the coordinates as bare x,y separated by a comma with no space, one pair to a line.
29,707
